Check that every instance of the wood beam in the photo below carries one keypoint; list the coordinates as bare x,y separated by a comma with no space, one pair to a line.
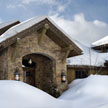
67,48
44,30
67,51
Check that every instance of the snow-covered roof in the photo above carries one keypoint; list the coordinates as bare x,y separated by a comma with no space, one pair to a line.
102,41
26,24
20,27
4,24
89,58
33,21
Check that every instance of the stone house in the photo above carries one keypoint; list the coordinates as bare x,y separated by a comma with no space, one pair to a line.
35,52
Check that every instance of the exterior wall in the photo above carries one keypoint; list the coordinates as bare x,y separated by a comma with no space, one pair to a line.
3,65
29,45
100,71
70,75
71,72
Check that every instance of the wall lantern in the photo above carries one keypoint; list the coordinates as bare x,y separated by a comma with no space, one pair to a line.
16,75
30,61
63,77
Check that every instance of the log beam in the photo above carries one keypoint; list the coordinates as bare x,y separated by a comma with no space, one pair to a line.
67,48
44,30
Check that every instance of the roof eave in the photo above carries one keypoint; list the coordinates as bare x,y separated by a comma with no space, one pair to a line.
100,46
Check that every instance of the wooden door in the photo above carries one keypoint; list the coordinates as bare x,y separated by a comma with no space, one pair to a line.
30,76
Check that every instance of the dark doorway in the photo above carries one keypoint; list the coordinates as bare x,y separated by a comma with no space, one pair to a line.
29,75
39,71
29,71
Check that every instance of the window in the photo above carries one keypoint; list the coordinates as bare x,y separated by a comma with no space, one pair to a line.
106,49
81,74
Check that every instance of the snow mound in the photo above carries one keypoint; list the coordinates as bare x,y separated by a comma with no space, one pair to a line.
94,85
16,94
91,92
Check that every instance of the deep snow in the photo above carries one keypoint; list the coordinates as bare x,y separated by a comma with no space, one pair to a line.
16,94
91,92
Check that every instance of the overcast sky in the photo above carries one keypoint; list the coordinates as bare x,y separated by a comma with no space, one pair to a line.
83,20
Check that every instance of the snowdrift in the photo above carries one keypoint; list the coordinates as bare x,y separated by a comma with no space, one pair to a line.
16,94
91,92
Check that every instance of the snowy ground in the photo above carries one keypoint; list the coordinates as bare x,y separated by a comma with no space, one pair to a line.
91,92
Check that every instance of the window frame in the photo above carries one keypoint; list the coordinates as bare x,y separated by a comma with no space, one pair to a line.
79,74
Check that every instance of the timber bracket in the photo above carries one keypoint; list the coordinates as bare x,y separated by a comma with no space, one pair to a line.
44,30
67,51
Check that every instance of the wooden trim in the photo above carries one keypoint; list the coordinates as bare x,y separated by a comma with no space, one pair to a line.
67,48
85,67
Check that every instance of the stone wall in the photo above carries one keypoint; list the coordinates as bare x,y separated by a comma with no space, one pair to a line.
3,65
70,75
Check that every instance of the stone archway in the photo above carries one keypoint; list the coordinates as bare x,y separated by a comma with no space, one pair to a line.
39,71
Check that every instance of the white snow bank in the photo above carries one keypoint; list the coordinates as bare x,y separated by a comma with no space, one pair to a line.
101,41
89,58
15,94
91,92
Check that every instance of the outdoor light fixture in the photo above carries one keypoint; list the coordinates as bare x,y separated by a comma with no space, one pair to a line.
16,75
30,61
63,77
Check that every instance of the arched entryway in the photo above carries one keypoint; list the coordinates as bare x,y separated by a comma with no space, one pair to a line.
39,71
